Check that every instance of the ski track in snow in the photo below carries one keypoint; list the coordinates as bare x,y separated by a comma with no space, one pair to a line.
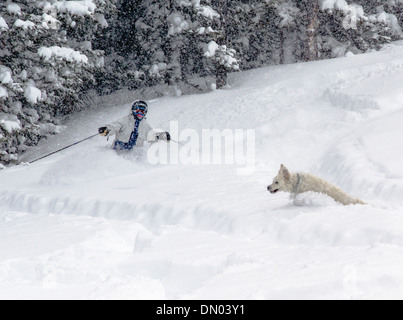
89,224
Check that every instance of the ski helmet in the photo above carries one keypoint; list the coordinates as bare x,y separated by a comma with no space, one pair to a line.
139,109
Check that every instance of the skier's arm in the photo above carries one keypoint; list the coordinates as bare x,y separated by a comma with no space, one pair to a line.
111,129
154,135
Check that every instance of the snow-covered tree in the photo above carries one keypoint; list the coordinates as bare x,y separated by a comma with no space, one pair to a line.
168,42
287,22
46,62
350,26
389,13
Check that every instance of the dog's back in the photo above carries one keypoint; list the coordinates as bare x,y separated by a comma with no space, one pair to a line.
310,182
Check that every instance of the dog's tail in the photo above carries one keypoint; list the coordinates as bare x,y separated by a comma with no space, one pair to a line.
344,198
355,201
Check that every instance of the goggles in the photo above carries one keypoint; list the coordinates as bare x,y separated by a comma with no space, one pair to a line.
139,113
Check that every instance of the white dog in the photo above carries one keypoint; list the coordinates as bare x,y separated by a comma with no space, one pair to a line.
297,183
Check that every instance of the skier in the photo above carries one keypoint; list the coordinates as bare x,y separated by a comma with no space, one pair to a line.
133,130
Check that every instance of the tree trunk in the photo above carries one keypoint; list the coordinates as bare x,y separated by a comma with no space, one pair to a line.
172,52
282,49
311,48
221,71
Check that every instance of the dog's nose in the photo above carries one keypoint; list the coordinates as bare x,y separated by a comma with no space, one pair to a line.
268,188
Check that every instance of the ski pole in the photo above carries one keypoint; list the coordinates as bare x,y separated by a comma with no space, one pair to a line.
184,144
181,143
69,146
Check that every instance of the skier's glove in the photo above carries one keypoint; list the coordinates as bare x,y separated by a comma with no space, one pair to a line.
165,136
103,131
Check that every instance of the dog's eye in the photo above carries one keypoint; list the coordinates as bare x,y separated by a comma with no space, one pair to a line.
276,182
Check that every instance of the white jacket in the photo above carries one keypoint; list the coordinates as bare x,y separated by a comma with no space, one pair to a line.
123,128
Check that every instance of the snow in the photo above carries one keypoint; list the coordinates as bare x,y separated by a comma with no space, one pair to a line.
76,7
5,75
287,15
32,94
24,24
10,126
68,54
3,24
207,11
203,10
334,4
14,8
86,223
212,47
177,24
3,92
101,20
391,21
354,13
156,68
49,22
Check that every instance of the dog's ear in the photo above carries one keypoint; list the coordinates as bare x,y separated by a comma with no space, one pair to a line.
286,174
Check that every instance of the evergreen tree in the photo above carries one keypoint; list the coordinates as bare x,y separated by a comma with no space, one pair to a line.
43,68
252,33
169,42
351,27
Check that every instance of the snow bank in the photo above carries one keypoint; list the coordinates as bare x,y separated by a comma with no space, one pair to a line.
67,54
